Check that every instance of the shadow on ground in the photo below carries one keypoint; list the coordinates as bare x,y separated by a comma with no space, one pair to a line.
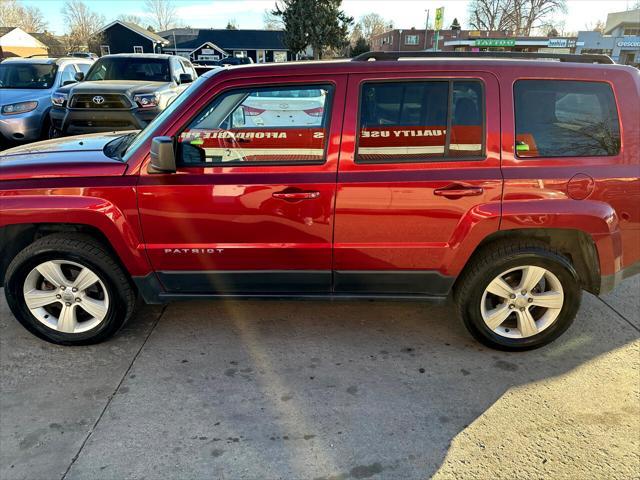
268,389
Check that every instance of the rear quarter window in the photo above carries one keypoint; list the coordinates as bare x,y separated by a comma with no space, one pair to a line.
562,118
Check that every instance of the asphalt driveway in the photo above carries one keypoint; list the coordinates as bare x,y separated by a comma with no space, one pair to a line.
344,390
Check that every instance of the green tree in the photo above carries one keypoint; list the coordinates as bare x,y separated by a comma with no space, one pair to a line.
316,23
361,46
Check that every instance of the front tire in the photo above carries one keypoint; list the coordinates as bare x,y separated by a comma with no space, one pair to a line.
518,295
69,290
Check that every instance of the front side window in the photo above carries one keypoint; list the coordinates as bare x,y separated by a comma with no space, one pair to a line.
408,121
276,125
68,74
562,118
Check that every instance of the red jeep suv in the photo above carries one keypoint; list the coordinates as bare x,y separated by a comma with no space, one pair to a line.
509,185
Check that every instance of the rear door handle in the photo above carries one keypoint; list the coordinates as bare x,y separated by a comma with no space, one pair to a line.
454,191
293,196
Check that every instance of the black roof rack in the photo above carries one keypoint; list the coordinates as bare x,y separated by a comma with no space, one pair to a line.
563,57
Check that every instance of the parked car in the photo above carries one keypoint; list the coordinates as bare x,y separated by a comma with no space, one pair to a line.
231,61
26,86
508,186
284,108
90,55
120,92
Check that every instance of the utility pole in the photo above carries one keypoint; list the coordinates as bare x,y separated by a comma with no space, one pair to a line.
426,30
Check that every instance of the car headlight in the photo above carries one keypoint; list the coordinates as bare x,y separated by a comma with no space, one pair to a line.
15,108
59,99
147,100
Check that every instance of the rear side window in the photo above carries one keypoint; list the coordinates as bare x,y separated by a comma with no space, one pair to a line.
559,118
279,125
420,121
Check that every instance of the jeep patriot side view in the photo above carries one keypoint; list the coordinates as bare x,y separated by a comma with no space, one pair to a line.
508,185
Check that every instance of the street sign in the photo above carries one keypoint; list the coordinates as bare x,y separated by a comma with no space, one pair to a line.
439,18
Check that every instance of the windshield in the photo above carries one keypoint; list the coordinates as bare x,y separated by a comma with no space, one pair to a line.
27,75
135,142
127,68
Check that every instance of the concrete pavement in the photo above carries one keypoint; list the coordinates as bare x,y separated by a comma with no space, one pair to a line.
344,390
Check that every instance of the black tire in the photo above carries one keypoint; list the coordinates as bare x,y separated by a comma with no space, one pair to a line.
53,132
85,251
45,131
495,259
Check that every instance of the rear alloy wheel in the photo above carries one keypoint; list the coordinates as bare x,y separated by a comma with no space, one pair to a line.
518,295
65,296
522,302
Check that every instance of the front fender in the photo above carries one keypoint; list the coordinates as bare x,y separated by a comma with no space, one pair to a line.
111,211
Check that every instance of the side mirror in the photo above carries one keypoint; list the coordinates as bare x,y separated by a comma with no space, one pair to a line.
186,78
68,82
79,76
163,157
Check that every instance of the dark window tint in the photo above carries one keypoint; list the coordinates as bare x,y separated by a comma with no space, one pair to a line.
407,121
27,75
128,68
556,118
466,121
274,125
403,121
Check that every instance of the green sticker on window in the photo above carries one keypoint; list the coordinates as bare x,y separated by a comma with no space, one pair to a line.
522,147
197,141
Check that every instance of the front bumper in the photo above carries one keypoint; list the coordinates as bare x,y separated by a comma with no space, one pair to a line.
23,127
73,121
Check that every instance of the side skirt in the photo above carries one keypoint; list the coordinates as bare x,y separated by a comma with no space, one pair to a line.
425,286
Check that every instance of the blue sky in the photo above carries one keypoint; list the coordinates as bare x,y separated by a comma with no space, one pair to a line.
248,13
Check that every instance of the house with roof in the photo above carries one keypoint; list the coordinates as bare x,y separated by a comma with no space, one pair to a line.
620,39
127,37
15,42
201,45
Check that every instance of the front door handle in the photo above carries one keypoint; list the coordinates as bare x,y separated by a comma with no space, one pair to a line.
455,191
294,195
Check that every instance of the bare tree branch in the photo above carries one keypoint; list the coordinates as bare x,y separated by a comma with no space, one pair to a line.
162,14
14,14
81,24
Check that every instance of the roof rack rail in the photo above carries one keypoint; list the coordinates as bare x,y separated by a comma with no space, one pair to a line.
563,57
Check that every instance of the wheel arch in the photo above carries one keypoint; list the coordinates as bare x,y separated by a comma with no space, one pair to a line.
577,246
15,237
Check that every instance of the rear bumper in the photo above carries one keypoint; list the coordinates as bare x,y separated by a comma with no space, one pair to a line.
76,121
609,282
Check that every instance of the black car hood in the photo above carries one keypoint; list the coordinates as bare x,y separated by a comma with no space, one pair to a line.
128,87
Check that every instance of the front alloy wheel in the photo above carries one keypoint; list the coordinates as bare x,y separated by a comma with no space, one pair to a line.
67,288
65,296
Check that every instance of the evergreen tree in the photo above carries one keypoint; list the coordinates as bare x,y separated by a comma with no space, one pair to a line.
316,23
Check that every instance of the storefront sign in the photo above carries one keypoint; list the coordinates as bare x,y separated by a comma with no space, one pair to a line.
494,42
629,44
557,43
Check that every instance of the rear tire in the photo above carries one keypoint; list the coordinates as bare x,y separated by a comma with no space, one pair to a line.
518,295
83,297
